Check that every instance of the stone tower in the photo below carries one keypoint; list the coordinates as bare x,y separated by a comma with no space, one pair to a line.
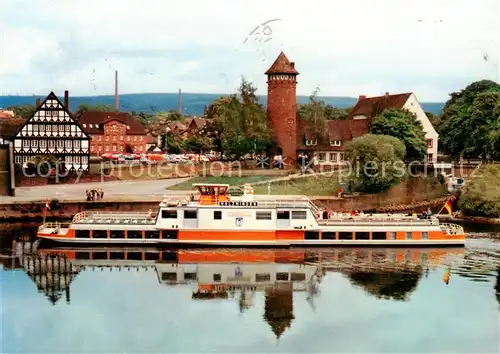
282,106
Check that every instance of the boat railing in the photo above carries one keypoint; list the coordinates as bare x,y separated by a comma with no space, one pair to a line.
103,217
452,229
53,225
378,220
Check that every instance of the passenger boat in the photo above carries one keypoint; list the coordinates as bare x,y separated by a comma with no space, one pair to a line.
213,218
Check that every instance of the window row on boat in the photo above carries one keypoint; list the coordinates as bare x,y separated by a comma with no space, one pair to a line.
218,214
127,234
364,235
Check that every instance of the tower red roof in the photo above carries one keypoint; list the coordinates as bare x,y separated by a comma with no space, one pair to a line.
282,66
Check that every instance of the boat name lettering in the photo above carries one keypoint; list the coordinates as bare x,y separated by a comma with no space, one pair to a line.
238,203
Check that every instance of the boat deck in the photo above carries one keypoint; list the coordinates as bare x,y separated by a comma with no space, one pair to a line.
378,220
112,218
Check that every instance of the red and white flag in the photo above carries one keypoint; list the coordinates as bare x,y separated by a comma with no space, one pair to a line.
47,205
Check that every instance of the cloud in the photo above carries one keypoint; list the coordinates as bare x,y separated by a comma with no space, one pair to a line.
344,47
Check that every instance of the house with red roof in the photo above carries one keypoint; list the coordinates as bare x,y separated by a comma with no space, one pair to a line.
114,132
368,108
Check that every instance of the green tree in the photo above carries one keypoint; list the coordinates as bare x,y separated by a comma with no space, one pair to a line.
24,111
333,113
172,143
197,144
314,113
434,119
469,121
376,161
406,127
99,107
481,195
243,122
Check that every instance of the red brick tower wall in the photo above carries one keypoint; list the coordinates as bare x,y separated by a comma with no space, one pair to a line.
282,112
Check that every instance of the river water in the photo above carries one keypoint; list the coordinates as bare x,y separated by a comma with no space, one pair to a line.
368,300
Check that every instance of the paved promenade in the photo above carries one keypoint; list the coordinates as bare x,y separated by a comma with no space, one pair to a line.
116,190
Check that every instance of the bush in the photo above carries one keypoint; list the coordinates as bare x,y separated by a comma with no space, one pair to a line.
481,195
377,161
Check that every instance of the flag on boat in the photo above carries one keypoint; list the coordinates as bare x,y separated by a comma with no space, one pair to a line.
47,206
448,205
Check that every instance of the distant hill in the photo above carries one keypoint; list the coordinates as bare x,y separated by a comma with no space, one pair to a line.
192,103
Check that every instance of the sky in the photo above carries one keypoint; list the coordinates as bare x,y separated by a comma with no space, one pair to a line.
342,47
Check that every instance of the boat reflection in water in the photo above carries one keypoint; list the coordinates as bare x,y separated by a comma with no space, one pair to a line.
239,274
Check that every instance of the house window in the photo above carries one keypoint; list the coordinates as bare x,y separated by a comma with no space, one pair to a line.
18,159
429,143
60,144
68,160
333,156
68,144
135,138
114,137
84,125
85,159
26,143
121,137
322,157
430,157
67,128
341,156
61,128
42,128
43,144
335,142
140,138
52,144
114,147
34,143
76,159
77,144
311,142
107,148
107,138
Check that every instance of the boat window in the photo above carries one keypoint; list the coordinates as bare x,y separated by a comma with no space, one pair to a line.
425,235
311,235
136,256
379,236
169,276
100,234
99,255
217,215
169,256
170,234
190,214
263,215
282,276
298,277
262,277
217,277
392,235
82,255
189,276
116,255
362,235
328,235
117,234
152,234
299,214
169,214
152,256
345,235
283,215
408,236
82,233
134,234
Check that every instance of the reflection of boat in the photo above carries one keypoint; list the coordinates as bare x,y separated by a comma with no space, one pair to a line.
244,274
217,219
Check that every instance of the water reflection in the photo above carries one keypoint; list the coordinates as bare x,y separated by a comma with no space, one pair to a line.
294,293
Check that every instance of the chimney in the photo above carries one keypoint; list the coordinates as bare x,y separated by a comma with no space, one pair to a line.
387,93
66,99
116,90
362,97
179,102
293,65
37,103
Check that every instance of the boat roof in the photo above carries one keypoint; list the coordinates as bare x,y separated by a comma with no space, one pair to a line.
210,185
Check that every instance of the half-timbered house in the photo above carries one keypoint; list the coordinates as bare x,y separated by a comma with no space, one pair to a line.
53,131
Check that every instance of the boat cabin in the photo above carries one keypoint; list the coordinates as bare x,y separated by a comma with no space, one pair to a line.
212,194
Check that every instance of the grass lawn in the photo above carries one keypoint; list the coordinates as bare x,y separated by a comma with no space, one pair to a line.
231,180
310,186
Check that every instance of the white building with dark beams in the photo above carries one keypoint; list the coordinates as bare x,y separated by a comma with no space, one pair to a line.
53,131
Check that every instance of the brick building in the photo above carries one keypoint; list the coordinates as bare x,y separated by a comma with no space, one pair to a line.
114,132
281,105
